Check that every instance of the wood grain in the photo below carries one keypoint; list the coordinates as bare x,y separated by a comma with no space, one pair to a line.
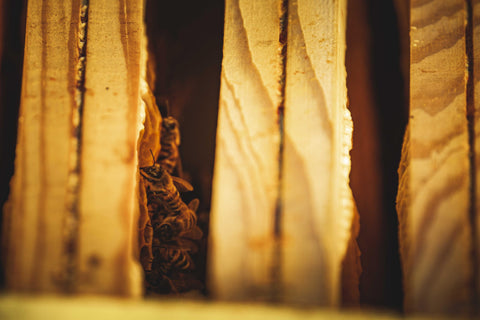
316,200
476,122
245,186
433,200
35,212
69,222
250,258
109,149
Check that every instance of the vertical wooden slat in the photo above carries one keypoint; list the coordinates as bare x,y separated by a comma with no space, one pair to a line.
316,200
108,148
246,164
34,214
276,235
476,139
69,221
434,192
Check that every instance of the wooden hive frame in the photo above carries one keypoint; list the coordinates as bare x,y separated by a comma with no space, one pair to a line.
438,194
80,123
281,124
74,131
87,115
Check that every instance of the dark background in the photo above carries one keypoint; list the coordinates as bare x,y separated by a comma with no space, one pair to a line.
12,31
185,39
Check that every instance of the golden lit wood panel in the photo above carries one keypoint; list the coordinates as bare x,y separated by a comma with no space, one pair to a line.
69,223
245,185
433,200
108,198
282,236
317,205
36,211
476,122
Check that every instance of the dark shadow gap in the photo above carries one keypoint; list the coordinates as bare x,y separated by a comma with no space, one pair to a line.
186,42
12,36
376,91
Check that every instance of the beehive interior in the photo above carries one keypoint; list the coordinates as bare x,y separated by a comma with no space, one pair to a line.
184,68
185,46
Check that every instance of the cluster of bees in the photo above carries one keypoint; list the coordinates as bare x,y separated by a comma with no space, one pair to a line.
168,262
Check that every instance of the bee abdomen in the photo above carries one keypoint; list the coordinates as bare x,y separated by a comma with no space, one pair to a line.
188,220
170,140
183,222
168,157
180,259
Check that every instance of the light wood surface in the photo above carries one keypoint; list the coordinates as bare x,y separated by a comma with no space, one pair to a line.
476,122
69,221
36,210
434,192
316,200
109,143
245,186
300,262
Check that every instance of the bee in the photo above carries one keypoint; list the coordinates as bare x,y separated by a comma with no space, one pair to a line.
169,141
184,224
167,263
169,258
171,235
162,191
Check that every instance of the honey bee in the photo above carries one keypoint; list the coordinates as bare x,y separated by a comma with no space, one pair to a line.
167,263
162,191
168,258
182,223
170,140
172,232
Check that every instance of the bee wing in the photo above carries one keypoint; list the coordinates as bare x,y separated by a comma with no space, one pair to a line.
194,234
187,245
193,205
182,185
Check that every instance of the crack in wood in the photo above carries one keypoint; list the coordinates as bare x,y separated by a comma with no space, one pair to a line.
72,219
276,271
